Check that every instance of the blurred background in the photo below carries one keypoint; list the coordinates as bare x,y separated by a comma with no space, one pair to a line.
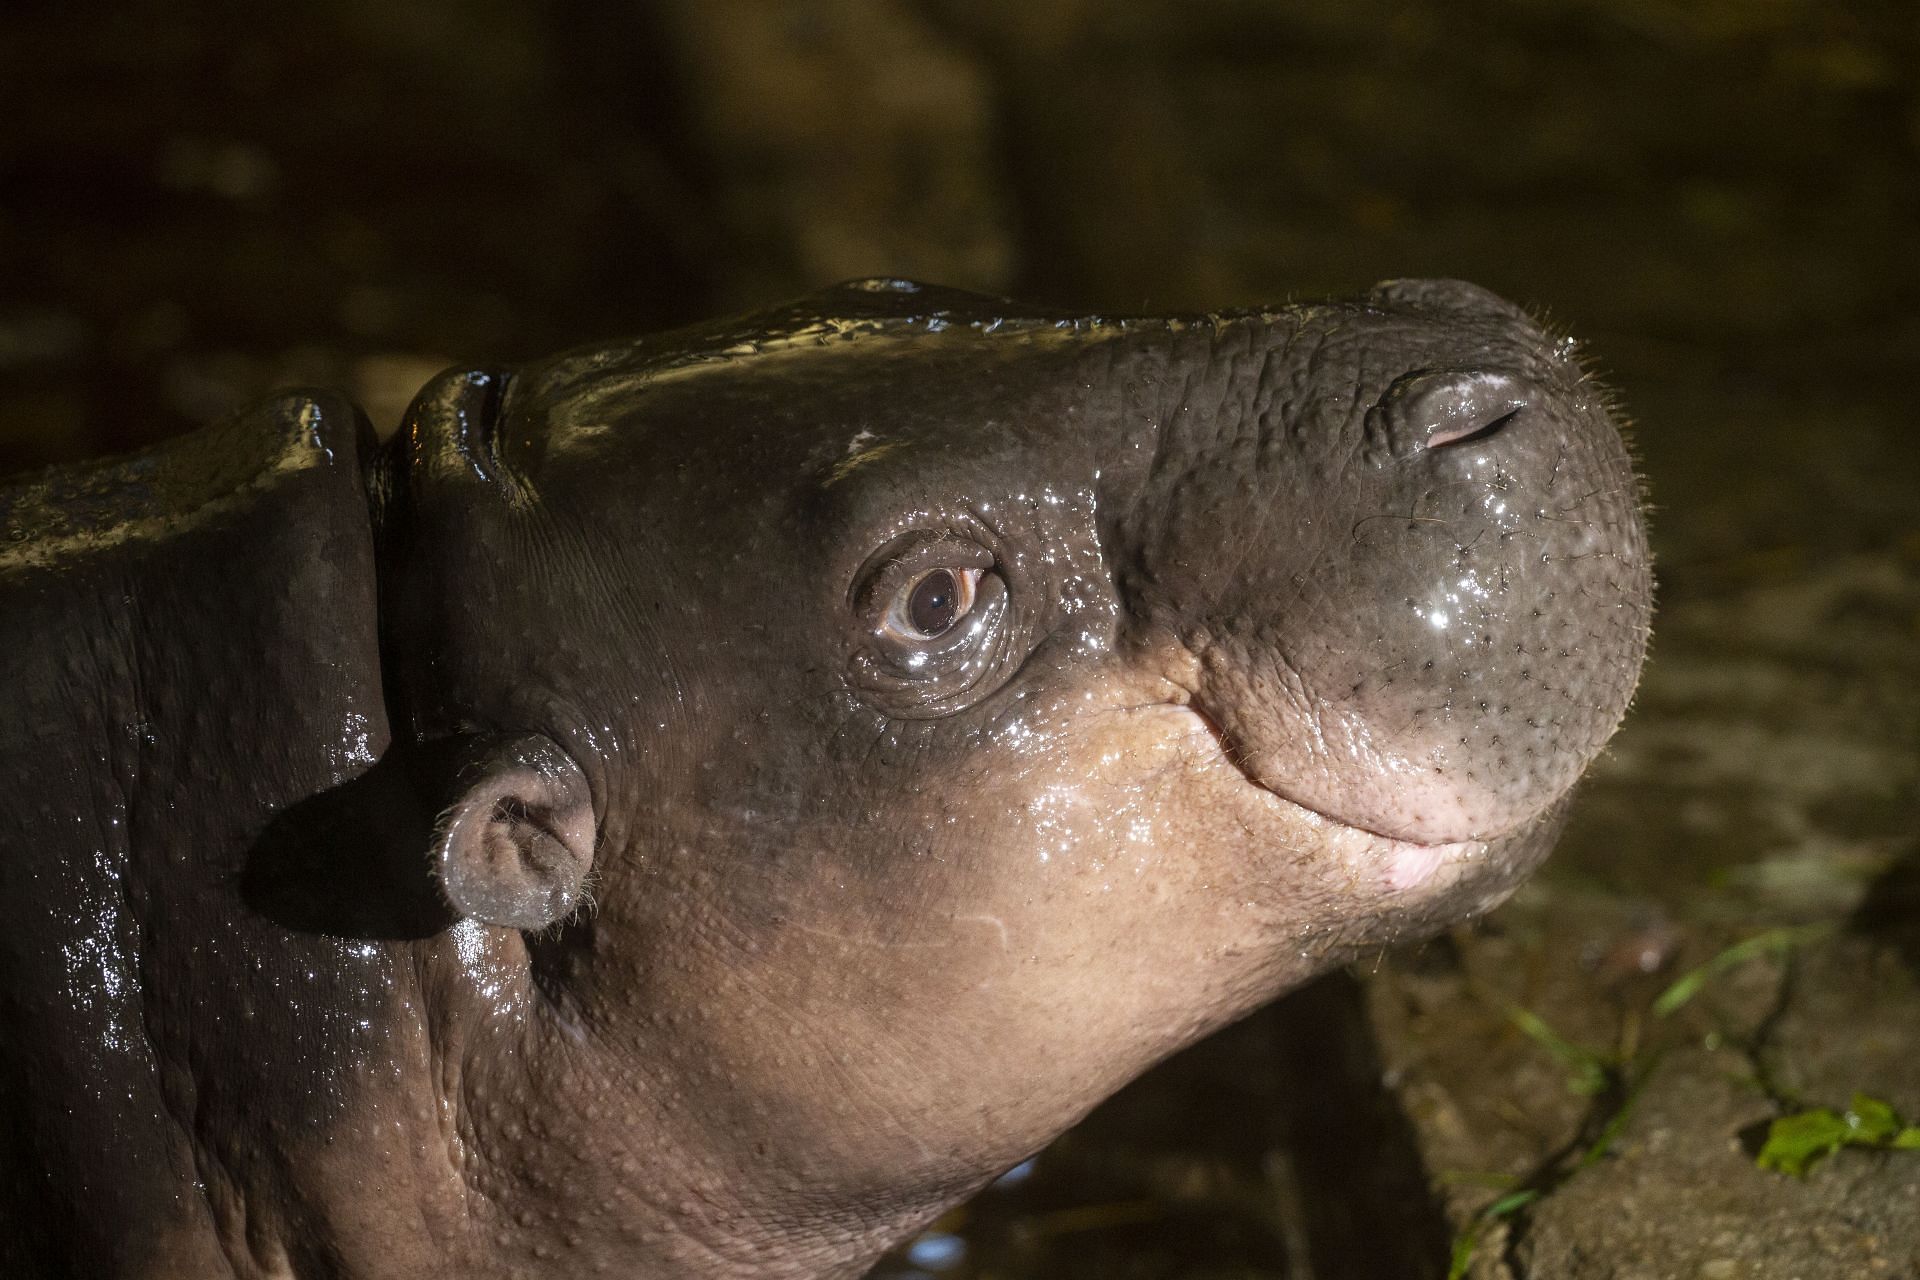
1721,198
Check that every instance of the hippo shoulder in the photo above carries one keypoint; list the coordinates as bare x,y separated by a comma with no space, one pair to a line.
103,560
220,584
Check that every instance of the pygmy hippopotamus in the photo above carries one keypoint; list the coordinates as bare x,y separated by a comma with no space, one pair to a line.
700,806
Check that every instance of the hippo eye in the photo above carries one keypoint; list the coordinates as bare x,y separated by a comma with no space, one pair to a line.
929,606
937,630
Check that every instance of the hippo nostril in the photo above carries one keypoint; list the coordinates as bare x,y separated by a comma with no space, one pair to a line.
1466,432
1432,408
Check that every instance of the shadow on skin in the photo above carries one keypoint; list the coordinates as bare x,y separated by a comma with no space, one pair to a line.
352,861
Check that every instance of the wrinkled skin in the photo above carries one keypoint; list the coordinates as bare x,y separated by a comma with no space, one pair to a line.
551,843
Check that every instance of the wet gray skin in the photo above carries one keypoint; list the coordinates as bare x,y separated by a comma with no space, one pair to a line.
702,806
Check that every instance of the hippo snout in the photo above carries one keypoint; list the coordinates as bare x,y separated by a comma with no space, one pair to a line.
1425,612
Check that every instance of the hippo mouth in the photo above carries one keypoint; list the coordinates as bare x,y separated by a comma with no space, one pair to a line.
1241,762
1400,865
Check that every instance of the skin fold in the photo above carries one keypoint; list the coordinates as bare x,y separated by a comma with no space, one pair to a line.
551,843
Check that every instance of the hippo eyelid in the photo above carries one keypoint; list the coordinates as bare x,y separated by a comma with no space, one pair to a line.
914,675
910,556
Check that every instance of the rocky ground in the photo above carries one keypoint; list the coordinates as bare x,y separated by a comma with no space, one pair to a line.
1721,197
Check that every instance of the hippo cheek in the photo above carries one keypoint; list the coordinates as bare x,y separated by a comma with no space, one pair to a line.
1119,873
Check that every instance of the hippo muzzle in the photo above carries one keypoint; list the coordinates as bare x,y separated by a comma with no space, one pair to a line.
1408,564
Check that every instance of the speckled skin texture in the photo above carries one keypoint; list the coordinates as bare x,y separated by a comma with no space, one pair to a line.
524,848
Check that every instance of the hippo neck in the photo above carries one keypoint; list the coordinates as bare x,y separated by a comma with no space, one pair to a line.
197,640
260,995
582,1154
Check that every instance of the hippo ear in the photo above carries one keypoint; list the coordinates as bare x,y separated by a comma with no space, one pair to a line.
516,846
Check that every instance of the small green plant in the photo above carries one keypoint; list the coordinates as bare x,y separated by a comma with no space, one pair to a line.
1772,942
1800,1139
1615,1079
1468,1240
1589,1071
1613,1082
1795,1142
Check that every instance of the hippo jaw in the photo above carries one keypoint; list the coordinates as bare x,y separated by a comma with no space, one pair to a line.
882,905
1400,865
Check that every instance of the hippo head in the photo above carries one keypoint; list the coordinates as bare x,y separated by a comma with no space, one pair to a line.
902,719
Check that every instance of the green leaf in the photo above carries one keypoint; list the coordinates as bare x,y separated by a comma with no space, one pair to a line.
1794,1142
1874,1122
1590,1071
1507,1204
1463,1246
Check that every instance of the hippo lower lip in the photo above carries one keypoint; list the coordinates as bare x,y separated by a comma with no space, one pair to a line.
1237,758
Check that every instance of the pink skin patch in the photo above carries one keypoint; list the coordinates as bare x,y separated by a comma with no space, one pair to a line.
1411,866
